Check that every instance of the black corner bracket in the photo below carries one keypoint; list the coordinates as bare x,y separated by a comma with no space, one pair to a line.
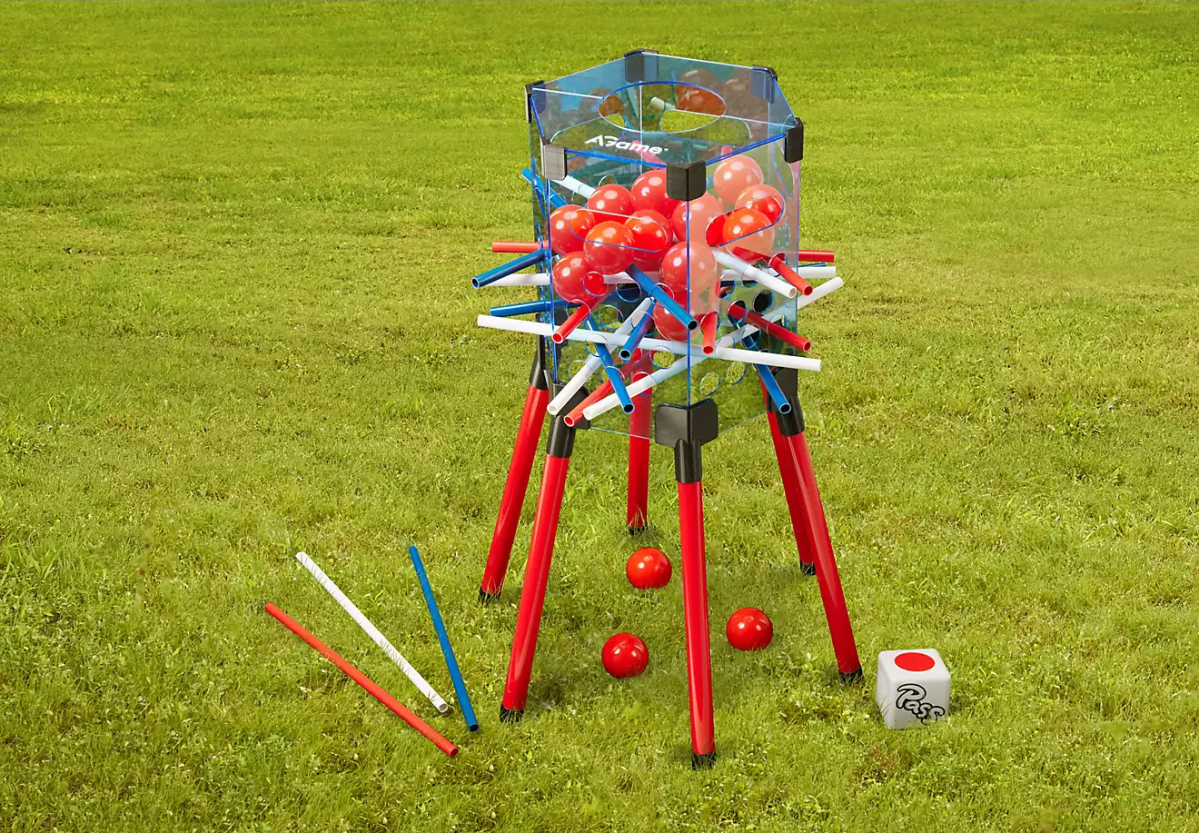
763,82
793,143
534,99
789,424
686,429
640,65
686,182
553,162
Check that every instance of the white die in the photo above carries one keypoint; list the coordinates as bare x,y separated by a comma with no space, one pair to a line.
912,687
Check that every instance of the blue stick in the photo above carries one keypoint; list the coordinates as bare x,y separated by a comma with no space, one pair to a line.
772,387
622,393
539,183
509,268
472,722
658,294
508,310
638,333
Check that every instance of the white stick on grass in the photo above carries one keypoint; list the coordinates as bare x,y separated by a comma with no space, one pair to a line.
594,363
379,639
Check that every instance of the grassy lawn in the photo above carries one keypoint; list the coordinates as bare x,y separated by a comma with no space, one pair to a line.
236,322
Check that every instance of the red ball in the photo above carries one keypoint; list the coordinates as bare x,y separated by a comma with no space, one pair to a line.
746,228
649,192
608,248
749,629
575,280
648,569
764,198
669,327
611,203
700,261
625,655
651,237
568,228
695,215
734,175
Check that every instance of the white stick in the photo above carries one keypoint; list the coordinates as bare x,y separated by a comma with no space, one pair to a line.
373,632
543,279
753,273
647,382
594,363
581,188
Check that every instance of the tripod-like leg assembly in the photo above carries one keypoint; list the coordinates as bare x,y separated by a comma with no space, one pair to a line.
517,483
639,425
537,568
811,528
687,429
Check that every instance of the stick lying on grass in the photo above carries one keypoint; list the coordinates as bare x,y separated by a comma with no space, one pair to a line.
443,637
379,639
364,681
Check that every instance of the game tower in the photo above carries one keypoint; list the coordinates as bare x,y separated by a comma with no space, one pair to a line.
666,259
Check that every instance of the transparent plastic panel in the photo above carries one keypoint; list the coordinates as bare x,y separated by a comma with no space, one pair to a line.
646,289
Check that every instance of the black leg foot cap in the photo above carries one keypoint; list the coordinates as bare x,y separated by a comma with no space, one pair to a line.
511,715
637,530
851,677
704,761
807,569
486,598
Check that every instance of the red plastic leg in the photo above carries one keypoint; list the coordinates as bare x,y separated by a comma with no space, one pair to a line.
515,488
639,425
695,617
532,597
826,565
789,473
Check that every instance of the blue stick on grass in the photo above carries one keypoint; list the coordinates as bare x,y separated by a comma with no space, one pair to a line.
451,663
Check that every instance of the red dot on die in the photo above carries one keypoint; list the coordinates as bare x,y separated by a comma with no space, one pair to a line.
914,661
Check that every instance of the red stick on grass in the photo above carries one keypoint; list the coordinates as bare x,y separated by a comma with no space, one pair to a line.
364,681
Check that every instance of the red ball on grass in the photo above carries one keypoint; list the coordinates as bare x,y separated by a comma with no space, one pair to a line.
625,655
648,569
749,629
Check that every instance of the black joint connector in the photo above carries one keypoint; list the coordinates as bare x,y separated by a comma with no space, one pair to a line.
793,144
705,761
789,424
763,82
807,568
539,376
534,99
486,598
511,715
698,423
561,441
688,462
851,677
553,161
686,182
640,65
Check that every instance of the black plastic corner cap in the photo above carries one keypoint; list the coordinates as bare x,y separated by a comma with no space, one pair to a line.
640,65
553,162
686,182
534,99
698,423
763,82
793,144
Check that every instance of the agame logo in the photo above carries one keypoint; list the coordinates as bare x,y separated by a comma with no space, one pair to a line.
606,141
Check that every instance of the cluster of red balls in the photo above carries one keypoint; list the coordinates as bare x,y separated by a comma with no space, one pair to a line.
626,655
619,227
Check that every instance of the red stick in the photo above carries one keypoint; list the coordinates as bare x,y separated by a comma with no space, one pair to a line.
707,326
509,247
573,418
639,428
815,256
364,681
576,318
790,275
738,312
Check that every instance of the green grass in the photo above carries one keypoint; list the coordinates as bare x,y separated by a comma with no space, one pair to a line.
219,230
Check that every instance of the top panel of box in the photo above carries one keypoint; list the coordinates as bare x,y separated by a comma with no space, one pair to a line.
660,109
